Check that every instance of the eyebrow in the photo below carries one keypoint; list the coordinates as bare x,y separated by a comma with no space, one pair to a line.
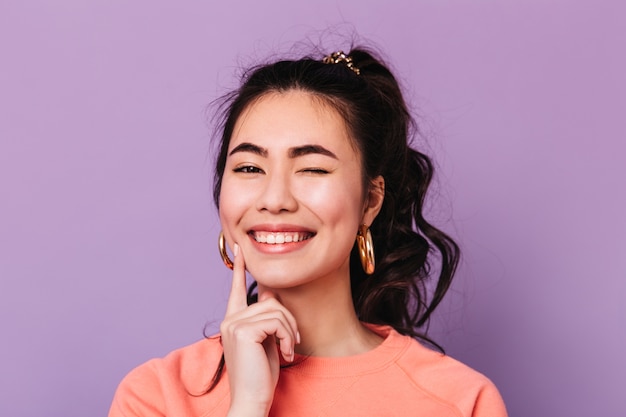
249,147
294,152
310,149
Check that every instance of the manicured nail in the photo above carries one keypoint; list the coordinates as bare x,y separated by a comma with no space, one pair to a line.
236,249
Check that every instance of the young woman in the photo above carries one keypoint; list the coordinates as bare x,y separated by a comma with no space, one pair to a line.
320,199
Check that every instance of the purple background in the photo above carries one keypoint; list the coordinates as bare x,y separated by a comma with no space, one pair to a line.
108,234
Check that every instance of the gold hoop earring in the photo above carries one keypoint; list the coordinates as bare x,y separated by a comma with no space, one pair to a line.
221,242
366,249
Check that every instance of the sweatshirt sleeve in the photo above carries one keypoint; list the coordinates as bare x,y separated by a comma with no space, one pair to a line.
139,394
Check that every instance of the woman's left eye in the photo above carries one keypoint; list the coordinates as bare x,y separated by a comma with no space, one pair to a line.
315,171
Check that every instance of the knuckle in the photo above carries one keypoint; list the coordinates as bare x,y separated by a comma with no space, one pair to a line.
239,331
272,302
229,327
224,326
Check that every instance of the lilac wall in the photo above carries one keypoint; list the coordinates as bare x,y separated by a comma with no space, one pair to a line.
108,235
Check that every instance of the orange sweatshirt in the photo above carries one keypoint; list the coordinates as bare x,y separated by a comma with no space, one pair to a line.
398,378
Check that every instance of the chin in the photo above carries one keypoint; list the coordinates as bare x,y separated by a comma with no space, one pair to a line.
279,274
277,279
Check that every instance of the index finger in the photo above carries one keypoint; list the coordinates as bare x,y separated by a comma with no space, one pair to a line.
238,298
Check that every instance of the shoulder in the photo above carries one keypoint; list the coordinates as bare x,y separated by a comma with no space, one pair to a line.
190,365
445,379
185,372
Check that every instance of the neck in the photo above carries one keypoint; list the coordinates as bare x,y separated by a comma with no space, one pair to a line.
327,322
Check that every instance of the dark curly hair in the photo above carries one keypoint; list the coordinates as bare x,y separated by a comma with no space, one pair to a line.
374,110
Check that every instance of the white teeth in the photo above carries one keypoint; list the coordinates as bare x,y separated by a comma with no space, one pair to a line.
279,237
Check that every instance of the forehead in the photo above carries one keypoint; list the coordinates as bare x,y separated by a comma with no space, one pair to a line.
293,118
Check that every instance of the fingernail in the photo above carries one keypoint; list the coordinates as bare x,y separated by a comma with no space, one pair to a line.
236,249
298,337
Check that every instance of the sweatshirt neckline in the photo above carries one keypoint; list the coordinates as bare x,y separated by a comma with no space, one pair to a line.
393,345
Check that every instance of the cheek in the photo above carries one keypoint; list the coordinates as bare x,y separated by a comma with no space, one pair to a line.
335,202
232,204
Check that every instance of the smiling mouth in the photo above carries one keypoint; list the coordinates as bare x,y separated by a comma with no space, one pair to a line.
277,238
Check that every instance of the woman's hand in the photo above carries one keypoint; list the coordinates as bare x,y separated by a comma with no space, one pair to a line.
252,337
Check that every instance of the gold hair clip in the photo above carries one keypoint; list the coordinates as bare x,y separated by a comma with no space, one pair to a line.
338,57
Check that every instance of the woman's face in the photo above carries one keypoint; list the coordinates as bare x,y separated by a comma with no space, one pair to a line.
292,194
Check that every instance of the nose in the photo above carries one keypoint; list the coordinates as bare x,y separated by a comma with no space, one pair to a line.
276,196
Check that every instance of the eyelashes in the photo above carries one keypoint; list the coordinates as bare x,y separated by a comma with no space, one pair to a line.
248,169
251,169
320,171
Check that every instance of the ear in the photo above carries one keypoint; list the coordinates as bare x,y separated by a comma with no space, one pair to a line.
373,200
